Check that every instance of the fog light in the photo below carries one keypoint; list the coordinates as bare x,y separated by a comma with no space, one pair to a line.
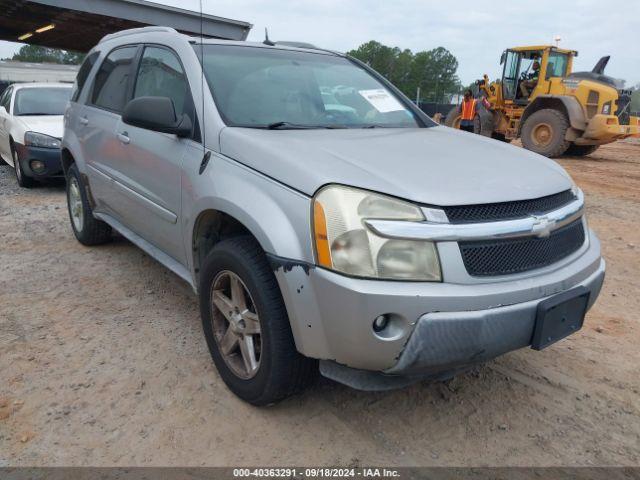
380,323
37,166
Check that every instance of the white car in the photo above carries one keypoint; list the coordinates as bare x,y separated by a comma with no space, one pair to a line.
31,126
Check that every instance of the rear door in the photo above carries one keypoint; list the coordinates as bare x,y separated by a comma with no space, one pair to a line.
97,121
151,173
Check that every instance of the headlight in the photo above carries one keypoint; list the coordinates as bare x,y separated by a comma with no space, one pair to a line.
344,244
606,108
33,139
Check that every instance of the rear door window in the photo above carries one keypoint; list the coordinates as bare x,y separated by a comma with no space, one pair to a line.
557,65
111,85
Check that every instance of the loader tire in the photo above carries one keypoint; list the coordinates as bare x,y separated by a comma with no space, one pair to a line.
580,150
453,118
483,123
544,133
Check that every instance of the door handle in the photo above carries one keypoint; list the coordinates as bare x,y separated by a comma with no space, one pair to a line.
84,121
123,137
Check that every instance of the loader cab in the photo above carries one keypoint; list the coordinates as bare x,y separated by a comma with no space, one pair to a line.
527,71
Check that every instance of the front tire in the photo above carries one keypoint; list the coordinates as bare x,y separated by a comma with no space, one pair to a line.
23,180
87,229
453,118
246,325
544,132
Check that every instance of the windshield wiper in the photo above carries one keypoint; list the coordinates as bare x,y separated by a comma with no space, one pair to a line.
296,126
35,114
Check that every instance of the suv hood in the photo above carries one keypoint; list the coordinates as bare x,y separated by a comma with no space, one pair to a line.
436,166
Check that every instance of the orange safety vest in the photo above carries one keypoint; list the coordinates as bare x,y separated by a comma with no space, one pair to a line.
468,109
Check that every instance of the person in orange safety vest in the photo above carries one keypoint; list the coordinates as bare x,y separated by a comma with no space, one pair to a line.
467,110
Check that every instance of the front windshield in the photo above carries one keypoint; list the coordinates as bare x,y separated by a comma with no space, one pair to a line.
41,101
267,88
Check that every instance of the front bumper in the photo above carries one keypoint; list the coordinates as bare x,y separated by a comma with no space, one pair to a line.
439,327
444,341
50,157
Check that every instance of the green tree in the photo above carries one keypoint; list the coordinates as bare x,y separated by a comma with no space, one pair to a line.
38,54
433,71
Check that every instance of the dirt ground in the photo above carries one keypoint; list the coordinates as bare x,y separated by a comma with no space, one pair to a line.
103,362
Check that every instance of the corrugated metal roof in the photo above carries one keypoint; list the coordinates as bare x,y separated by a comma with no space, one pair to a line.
80,24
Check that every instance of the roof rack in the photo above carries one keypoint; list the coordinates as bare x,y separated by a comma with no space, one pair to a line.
305,45
133,31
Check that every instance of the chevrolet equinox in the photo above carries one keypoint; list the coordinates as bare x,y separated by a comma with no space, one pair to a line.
325,222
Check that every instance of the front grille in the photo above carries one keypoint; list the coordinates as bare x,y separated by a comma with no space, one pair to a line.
624,108
507,210
508,256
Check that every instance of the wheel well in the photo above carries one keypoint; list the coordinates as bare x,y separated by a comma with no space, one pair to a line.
541,104
211,227
67,160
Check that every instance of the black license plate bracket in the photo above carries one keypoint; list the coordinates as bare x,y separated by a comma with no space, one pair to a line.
559,316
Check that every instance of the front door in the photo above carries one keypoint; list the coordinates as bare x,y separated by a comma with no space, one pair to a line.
152,170
510,75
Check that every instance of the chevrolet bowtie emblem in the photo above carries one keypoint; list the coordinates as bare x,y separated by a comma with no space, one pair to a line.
542,226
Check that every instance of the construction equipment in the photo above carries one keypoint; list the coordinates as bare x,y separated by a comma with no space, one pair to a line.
553,110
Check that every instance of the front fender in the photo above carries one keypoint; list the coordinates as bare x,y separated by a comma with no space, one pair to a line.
279,218
575,112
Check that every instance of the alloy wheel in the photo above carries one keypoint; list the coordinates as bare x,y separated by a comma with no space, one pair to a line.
76,208
16,166
236,324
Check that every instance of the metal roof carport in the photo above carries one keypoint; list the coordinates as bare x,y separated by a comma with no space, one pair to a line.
80,24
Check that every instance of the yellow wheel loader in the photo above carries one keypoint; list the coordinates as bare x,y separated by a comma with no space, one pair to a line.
553,110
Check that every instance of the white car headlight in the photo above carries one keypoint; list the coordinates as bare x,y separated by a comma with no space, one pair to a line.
344,244
34,139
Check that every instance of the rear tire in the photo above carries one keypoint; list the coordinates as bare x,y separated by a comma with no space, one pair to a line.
87,229
23,180
580,150
277,369
544,132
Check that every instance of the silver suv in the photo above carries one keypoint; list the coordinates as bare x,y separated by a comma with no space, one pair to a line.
325,222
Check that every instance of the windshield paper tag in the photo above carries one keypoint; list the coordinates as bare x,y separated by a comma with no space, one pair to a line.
382,100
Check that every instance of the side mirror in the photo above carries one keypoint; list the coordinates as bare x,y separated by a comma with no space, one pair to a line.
157,114
503,57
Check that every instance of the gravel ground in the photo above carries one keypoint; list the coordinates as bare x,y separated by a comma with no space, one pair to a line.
103,362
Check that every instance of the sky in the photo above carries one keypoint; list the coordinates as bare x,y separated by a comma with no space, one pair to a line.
475,32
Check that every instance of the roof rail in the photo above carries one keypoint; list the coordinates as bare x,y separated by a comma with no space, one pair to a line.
133,31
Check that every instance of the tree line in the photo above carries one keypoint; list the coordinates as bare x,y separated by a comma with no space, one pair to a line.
38,54
433,71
